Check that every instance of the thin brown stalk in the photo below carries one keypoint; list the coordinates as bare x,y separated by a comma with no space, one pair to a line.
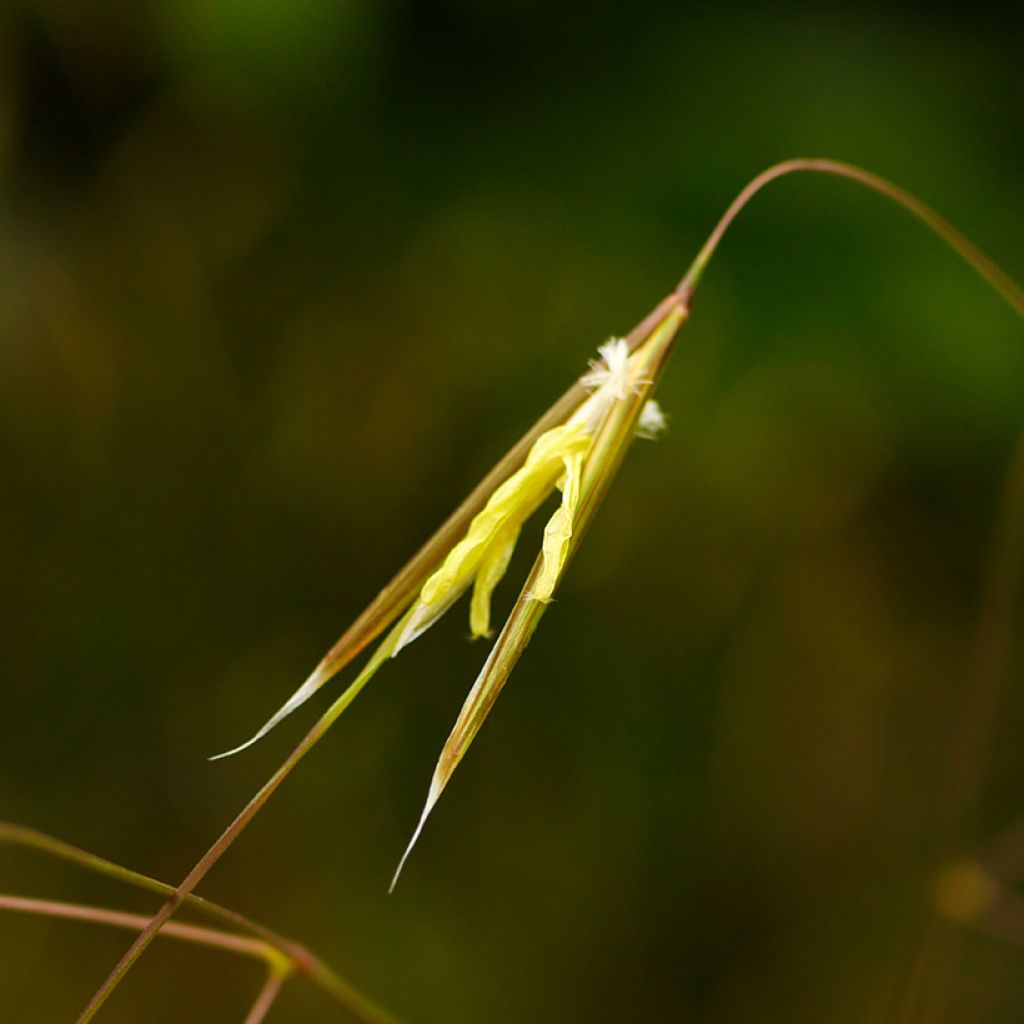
241,944
266,997
961,244
21,835
279,966
211,857
302,961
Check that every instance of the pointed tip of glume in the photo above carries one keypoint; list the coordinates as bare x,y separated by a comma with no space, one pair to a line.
277,719
428,807
405,856
237,750
226,754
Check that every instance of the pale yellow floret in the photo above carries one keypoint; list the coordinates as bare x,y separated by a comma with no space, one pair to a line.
557,459
506,510
513,501
558,531
492,569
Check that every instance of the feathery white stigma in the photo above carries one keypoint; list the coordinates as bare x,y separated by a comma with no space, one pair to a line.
653,421
612,374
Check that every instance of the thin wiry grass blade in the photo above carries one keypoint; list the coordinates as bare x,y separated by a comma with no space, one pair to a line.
610,446
302,959
402,590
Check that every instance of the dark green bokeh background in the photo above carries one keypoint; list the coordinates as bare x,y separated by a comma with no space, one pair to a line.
280,280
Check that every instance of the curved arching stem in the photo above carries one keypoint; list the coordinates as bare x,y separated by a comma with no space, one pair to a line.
994,275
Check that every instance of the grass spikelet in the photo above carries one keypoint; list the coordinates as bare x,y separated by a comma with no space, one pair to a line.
472,548
587,478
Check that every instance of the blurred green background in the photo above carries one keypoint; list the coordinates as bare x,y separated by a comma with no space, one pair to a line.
280,280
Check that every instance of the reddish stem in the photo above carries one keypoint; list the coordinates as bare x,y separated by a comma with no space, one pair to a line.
136,922
269,992
999,280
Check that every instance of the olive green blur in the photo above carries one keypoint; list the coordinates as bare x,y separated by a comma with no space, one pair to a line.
280,280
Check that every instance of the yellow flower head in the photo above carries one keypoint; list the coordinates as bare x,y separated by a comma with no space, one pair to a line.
575,456
555,461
